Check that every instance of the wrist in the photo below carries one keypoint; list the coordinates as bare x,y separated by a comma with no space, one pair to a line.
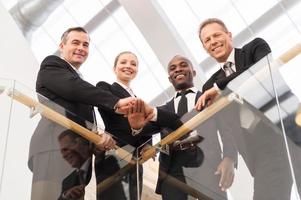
136,131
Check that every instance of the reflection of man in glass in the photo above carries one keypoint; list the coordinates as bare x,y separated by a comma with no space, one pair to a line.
216,173
77,152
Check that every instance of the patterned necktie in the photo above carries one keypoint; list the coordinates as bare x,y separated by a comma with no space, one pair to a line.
228,69
182,106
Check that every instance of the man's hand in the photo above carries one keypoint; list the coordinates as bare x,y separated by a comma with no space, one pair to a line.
106,142
123,105
145,148
207,98
226,170
139,114
75,192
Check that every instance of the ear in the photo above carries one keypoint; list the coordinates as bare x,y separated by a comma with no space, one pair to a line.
114,70
194,73
230,34
61,47
169,78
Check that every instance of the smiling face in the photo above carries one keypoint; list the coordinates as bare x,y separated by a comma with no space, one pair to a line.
75,48
73,151
181,73
216,41
126,67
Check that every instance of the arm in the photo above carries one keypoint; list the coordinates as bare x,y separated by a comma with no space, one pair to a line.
56,76
228,123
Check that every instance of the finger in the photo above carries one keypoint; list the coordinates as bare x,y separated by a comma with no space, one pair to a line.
140,104
203,100
142,108
199,105
150,116
112,143
219,172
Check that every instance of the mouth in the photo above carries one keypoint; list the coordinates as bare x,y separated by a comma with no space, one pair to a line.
128,72
79,55
217,48
179,76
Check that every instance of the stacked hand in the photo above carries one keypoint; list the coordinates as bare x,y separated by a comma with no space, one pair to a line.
139,114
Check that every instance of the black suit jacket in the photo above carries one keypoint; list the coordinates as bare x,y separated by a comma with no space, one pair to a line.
245,57
60,83
119,126
174,162
73,180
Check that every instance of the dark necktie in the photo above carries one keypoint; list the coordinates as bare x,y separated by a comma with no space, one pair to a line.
228,69
182,106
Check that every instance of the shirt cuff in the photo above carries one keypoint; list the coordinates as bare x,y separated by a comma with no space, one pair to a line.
217,88
136,131
155,117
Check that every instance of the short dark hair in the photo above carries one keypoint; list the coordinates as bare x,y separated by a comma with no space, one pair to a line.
66,33
211,21
181,57
121,53
72,135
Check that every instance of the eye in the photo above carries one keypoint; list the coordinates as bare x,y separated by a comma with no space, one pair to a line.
206,40
172,67
184,64
75,42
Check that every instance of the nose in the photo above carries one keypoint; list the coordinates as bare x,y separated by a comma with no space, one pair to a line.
213,41
178,69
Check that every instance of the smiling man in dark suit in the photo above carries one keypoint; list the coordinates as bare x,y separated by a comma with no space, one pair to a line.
261,144
199,162
59,81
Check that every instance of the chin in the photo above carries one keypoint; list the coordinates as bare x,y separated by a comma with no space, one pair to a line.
181,86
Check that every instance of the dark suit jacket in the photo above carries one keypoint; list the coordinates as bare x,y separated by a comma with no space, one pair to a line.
119,125
210,146
245,57
59,82
73,180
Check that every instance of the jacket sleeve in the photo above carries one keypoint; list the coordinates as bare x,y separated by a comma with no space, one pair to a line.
56,76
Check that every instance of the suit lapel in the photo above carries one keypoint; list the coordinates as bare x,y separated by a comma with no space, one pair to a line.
119,90
239,59
170,106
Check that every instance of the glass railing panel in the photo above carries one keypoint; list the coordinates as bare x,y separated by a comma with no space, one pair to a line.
6,105
269,103
59,147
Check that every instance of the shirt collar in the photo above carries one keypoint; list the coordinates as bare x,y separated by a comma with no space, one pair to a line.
75,69
193,89
86,165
